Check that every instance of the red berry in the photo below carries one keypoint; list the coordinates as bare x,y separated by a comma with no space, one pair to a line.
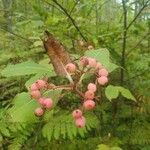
36,94
89,104
102,80
80,122
39,112
89,94
99,66
92,62
84,61
92,87
77,113
41,84
103,72
34,87
41,100
71,68
48,103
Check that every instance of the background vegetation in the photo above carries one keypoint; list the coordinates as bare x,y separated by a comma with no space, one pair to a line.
121,27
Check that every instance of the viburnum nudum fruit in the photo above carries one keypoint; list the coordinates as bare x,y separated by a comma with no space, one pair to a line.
80,122
48,103
39,112
92,62
89,94
103,72
92,87
87,66
34,87
36,94
77,113
41,84
89,104
71,68
102,80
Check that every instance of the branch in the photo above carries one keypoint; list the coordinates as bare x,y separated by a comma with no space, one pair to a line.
71,19
147,34
145,5
124,41
17,35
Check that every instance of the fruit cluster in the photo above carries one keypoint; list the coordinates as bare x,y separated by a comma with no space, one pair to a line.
89,95
86,65
35,91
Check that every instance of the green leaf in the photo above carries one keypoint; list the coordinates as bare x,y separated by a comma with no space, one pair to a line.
54,94
23,108
111,92
103,147
47,130
115,148
126,93
26,68
102,55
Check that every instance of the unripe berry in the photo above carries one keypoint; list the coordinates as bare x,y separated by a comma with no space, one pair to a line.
39,112
102,80
41,84
92,62
77,113
92,87
71,68
48,103
36,94
84,61
89,104
99,65
80,122
103,72
89,94
34,87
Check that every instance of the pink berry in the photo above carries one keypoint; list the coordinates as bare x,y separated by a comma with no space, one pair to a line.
41,100
84,61
103,72
92,87
102,80
39,112
71,68
89,104
99,66
80,122
36,94
48,103
77,113
92,62
89,94
34,87
41,84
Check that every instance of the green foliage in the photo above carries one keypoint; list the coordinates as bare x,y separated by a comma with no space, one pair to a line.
112,92
61,125
105,147
26,68
23,108
103,56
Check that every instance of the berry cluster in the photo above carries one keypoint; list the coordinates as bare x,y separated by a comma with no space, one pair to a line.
35,91
86,65
89,95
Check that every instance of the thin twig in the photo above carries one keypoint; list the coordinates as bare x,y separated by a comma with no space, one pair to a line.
145,5
17,35
147,34
71,19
